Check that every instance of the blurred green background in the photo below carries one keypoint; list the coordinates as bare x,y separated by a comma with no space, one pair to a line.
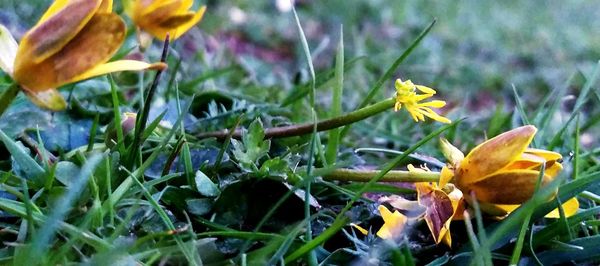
474,55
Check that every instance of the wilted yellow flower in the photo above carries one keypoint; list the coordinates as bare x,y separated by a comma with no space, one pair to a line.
394,223
162,17
502,172
442,205
71,42
406,94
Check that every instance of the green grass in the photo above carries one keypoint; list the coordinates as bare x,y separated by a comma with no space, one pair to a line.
75,187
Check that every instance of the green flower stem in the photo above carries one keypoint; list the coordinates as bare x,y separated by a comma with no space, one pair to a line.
391,176
303,129
8,96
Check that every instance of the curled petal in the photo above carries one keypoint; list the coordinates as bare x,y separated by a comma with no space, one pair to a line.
452,154
439,211
393,223
553,168
361,229
433,115
94,45
547,155
118,66
507,187
494,155
9,47
527,161
434,104
446,176
50,99
184,27
61,23
425,89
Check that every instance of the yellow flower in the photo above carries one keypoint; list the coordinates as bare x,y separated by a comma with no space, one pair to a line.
406,94
394,223
159,17
502,172
71,42
442,203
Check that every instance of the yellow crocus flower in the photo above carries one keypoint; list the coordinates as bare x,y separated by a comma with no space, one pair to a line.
406,95
162,17
72,41
502,172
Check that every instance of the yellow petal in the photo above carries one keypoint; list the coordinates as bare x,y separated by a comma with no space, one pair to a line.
434,104
56,6
497,209
49,99
177,20
161,6
106,6
507,187
553,169
9,47
446,176
526,161
425,89
94,45
447,239
185,26
118,66
440,209
53,32
570,208
360,228
493,155
433,115
393,223
185,5
547,155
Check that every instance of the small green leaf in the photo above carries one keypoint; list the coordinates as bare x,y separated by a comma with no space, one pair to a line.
205,186
253,147
274,167
27,164
199,206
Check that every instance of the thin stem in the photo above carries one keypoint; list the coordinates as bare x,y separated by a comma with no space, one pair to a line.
142,119
8,96
391,176
303,129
